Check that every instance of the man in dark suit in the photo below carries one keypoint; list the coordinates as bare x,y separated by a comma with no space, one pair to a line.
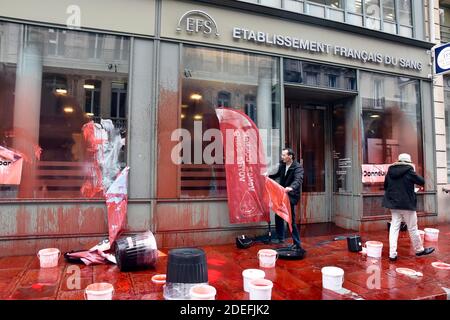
290,173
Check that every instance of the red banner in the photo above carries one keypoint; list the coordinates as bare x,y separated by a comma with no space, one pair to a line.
279,201
245,164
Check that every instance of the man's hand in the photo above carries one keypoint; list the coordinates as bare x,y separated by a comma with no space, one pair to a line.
288,189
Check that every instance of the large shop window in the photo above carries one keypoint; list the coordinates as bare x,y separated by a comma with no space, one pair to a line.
392,124
55,85
219,78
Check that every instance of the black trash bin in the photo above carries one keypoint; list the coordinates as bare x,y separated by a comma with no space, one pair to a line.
136,252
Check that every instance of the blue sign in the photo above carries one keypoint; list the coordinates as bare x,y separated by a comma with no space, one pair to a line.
442,59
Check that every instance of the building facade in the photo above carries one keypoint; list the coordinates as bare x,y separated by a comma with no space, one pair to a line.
347,84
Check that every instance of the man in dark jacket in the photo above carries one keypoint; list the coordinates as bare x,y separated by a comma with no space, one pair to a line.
290,173
400,197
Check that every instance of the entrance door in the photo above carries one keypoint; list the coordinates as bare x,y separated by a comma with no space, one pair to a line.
307,133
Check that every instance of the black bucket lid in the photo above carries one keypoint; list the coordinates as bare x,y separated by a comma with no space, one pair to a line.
187,265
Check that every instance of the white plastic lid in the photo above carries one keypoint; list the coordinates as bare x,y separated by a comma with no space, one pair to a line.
48,251
253,273
333,271
431,230
374,243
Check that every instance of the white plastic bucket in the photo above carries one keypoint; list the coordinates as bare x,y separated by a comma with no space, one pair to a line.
99,291
251,274
431,234
332,278
260,289
267,258
422,235
203,292
374,249
48,258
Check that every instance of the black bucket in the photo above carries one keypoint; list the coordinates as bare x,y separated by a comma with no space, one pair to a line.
354,243
136,252
242,242
187,265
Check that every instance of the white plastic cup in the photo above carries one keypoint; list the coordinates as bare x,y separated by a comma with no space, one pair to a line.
267,258
251,274
422,235
99,291
431,234
332,278
374,249
260,289
203,292
48,258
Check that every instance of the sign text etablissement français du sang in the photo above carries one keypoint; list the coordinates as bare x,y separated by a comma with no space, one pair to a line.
200,22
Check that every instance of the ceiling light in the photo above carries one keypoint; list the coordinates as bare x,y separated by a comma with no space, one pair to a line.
89,86
196,96
198,117
61,91
68,109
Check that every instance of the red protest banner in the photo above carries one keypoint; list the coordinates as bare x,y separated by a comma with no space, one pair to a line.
244,167
279,201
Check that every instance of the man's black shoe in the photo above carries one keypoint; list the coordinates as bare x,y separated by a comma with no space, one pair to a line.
425,252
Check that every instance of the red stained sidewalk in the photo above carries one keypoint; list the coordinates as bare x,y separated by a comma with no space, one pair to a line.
21,277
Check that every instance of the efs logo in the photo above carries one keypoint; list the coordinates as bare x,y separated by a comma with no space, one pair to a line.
197,21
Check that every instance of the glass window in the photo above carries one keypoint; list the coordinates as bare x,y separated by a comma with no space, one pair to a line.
92,90
354,6
373,14
96,45
389,17
342,148
392,122
405,12
318,75
313,149
249,83
293,5
50,90
447,121
331,3
271,3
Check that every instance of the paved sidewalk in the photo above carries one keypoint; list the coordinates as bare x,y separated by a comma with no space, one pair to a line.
21,277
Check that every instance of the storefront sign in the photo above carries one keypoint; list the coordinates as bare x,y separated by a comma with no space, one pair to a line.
313,46
245,30
374,173
442,59
197,21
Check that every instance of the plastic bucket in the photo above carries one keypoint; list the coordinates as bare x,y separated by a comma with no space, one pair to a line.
267,258
203,292
422,235
251,274
374,249
332,278
48,258
431,234
260,289
136,252
99,291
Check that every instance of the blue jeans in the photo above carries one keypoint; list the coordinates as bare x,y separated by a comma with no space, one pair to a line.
281,228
